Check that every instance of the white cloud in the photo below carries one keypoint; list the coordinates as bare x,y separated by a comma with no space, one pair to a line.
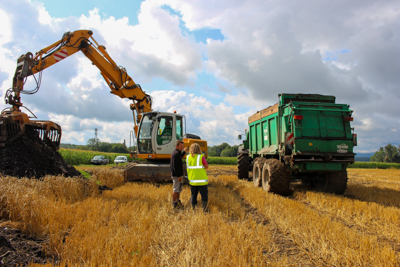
77,130
214,123
44,17
269,48
247,100
154,47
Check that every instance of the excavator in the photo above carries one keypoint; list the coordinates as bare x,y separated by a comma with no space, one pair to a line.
156,132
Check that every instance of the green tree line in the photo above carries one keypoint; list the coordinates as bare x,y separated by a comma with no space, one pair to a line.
223,150
96,145
389,153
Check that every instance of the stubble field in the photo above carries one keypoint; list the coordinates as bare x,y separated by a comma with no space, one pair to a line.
135,225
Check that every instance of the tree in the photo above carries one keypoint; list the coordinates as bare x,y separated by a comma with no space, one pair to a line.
379,156
229,151
392,153
92,143
215,151
223,150
388,154
119,148
104,147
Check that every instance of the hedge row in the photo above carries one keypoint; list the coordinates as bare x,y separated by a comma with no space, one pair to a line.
79,157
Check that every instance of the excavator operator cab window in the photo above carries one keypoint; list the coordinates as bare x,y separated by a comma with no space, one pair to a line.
179,127
144,142
164,132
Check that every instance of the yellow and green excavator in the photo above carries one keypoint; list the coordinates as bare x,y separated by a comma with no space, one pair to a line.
156,132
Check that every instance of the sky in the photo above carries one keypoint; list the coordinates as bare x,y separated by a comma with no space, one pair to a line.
216,62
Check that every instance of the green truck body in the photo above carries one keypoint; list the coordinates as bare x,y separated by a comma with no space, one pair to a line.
307,134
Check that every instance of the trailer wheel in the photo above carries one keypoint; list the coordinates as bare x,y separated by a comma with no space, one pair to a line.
275,177
243,166
334,182
257,168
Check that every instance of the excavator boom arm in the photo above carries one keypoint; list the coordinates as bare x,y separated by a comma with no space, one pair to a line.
116,77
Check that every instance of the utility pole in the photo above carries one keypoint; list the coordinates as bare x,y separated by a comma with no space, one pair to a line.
96,139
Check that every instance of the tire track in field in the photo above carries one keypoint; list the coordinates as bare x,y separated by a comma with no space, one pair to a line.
286,246
358,228
395,244
350,224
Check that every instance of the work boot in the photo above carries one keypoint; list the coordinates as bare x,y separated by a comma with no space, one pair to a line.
204,204
174,205
179,204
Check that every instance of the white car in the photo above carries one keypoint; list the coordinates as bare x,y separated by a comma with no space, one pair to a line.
120,159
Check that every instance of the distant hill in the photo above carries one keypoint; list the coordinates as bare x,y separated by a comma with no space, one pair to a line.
364,156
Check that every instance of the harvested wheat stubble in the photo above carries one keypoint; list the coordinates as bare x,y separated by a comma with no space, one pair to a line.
28,156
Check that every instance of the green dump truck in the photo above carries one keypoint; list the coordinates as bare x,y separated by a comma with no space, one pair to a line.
304,136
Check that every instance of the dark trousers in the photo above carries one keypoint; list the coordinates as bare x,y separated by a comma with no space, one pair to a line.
203,189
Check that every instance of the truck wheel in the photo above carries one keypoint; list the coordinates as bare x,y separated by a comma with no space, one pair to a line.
275,177
257,173
243,166
334,182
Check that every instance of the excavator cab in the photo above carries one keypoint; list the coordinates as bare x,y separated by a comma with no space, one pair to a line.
157,134
167,129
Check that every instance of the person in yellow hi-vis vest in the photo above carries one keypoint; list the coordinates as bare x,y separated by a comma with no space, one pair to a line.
196,165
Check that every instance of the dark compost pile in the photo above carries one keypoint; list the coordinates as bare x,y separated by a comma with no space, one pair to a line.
28,156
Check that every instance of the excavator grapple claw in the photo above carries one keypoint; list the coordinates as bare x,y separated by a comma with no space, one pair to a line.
15,124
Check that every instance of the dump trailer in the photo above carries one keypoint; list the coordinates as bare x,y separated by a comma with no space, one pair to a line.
303,136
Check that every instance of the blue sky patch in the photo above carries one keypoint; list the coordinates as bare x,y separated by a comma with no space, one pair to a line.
200,35
203,34
172,11
63,9
333,56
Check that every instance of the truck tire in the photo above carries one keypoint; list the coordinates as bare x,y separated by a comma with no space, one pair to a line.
275,177
243,166
257,171
334,182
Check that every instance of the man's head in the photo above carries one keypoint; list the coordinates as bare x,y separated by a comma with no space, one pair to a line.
179,145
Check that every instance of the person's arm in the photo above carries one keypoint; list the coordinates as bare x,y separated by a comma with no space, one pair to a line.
184,151
204,161
173,164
